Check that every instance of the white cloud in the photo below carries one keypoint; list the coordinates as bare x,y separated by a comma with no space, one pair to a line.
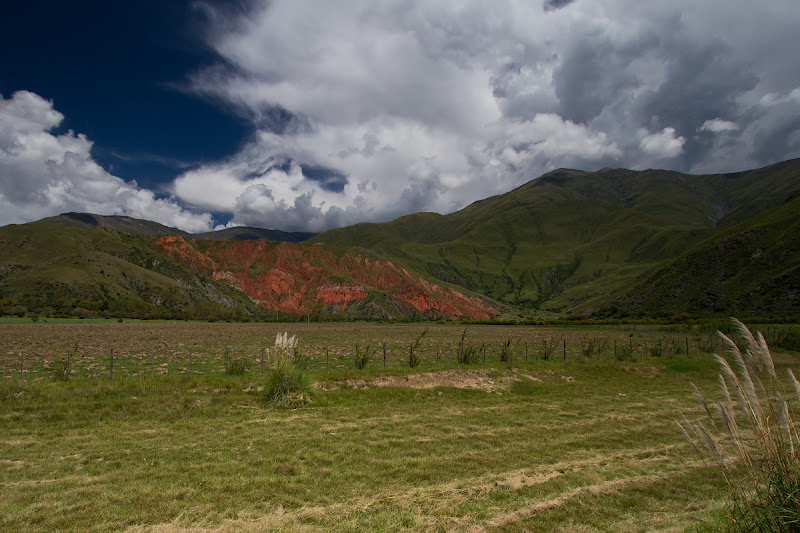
432,104
718,125
42,174
429,105
663,144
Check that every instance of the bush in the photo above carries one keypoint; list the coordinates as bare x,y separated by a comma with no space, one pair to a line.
288,387
362,358
237,367
467,353
505,351
550,348
588,348
624,353
414,359
759,432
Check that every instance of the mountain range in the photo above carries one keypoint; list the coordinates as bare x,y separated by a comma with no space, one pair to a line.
610,243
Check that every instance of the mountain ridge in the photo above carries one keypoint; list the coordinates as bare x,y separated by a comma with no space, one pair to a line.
571,236
568,242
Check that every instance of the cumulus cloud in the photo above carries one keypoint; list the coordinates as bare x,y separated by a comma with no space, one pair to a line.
663,144
365,111
425,105
42,174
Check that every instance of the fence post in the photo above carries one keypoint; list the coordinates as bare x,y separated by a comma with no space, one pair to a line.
190,363
687,346
327,361
152,362
262,360
384,354
111,366
615,346
526,351
437,354
565,349
227,363
21,366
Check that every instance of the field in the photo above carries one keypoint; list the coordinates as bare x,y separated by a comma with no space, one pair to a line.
583,444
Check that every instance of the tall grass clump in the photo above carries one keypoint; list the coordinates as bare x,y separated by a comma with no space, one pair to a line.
362,358
413,357
467,353
288,385
505,351
753,438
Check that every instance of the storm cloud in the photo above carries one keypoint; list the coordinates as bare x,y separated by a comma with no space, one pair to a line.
418,106
365,111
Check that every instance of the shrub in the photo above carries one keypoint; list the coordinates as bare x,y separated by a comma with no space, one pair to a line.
288,387
414,359
505,351
624,353
237,367
362,358
550,348
587,348
758,431
467,353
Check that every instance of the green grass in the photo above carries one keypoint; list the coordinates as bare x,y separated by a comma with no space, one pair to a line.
541,445
751,268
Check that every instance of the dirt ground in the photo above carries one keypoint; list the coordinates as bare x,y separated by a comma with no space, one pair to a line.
480,379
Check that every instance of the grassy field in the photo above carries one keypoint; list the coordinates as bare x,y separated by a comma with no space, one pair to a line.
34,351
586,444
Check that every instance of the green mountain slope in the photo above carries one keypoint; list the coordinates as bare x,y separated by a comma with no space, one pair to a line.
246,233
752,269
116,223
90,271
571,238
62,267
147,227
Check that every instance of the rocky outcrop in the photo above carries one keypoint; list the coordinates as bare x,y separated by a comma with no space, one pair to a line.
298,278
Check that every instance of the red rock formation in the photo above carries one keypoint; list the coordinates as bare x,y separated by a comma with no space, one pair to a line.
299,278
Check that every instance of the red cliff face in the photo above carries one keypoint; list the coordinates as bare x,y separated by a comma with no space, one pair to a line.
300,278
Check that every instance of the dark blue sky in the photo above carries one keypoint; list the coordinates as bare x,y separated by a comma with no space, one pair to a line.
117,71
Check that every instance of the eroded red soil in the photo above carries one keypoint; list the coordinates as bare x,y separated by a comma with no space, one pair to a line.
299,278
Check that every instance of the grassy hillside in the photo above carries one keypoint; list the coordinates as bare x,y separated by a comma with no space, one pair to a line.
115,223
147,227
570,238
63,268
245,233
749,270
91,271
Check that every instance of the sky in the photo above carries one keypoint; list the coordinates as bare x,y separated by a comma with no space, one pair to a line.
305,115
